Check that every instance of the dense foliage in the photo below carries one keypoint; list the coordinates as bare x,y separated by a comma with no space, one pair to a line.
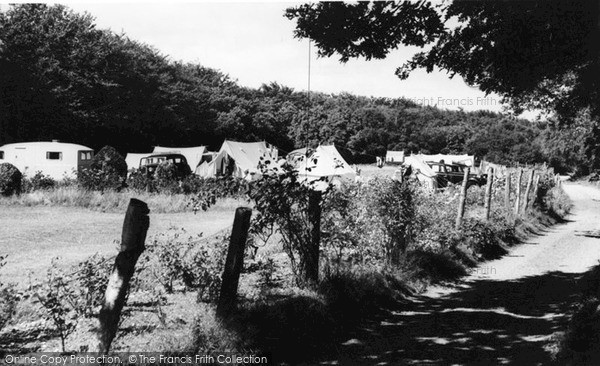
10,179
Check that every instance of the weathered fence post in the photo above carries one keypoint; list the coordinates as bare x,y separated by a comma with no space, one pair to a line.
234,261
311,263
488,193
507,191
536,185
518,198
135,228
462,199
528,190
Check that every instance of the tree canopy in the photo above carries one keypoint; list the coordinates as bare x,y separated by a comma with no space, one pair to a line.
537,54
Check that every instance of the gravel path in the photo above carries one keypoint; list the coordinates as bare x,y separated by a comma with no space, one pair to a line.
505,312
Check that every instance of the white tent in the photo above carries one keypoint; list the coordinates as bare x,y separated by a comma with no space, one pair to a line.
55,159
241,158
421,170
212,165
325,161
193,155
133,160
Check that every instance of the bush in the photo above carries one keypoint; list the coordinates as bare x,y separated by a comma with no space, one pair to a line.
181,262
10,179
8,298
107,171
39,181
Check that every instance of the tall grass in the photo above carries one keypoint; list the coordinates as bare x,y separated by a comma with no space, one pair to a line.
107,201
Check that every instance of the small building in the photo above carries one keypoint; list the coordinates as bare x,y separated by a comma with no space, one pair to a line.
55,159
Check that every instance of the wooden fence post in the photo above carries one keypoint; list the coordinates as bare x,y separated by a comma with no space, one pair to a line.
518,198
528,190
488,193
310,271
462,199
135,228
234,261
507,191
536,185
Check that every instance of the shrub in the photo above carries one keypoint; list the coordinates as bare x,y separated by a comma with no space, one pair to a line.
178,261
107,171
8,298
39,181
10,179
59,300
92,279
282,201
393,202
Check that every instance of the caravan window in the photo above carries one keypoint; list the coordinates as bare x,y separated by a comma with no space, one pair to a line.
1,155
85,155
53,155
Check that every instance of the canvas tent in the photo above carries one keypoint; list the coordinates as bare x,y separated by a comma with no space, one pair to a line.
394,157
327,162
423,172
54,159
193,155
240,159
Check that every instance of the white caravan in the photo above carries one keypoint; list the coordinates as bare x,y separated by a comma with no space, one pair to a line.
55,159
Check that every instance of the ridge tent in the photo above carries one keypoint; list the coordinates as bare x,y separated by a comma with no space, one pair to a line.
193,154
54,159
421,170
212,165
240,159
325,161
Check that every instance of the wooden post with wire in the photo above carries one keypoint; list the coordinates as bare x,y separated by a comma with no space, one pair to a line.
488,193
528,190
135,228
462,199
310,272
536,185
518,197
234,262
507,191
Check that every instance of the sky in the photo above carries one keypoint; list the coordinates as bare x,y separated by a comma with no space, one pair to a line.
253,43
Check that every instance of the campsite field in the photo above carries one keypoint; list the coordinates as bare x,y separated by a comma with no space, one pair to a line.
32,236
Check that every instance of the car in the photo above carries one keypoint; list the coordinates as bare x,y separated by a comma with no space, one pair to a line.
149,164
454,173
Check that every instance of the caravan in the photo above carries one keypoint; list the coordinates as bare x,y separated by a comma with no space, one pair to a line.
55,159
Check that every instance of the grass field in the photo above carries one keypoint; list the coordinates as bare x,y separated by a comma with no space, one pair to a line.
33,236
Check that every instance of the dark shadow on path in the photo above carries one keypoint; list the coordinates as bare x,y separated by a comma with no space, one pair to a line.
486,323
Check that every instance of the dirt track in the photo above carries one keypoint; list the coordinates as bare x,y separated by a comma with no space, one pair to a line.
505,312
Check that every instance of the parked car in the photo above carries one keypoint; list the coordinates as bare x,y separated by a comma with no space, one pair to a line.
149,164
454,173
